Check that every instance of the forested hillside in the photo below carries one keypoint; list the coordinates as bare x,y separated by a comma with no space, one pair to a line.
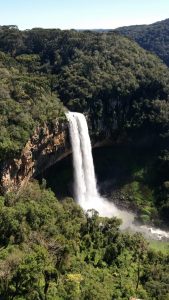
50,249
26,100
105,75
122,88
153,37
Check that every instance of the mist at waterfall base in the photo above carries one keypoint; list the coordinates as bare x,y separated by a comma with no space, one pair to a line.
85,187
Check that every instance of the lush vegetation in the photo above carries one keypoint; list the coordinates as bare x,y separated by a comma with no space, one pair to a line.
107,76
26,101
52,250
154,37
122,88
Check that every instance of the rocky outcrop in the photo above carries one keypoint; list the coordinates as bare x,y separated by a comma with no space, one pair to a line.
47,145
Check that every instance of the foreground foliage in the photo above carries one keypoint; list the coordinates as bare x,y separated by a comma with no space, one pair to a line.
52,250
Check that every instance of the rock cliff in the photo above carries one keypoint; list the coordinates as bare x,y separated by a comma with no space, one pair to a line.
47,145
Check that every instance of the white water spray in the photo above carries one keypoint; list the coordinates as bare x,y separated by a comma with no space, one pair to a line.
85,187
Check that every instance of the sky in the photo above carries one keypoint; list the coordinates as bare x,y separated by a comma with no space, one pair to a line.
81,14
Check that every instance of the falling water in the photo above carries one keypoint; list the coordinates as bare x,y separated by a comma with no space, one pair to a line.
79,182
85,182
85,186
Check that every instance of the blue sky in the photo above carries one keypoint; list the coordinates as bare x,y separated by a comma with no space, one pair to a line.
78,14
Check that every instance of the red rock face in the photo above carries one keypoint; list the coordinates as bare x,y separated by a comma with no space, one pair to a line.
47,145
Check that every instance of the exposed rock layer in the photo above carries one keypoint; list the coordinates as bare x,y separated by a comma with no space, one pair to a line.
47,145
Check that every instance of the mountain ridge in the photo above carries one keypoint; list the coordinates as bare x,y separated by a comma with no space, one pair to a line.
153,37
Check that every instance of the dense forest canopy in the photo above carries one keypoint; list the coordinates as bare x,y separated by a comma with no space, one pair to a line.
122,88
154,37
105,75
52,250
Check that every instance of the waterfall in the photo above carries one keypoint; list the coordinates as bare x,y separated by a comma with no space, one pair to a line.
85,187
84,175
